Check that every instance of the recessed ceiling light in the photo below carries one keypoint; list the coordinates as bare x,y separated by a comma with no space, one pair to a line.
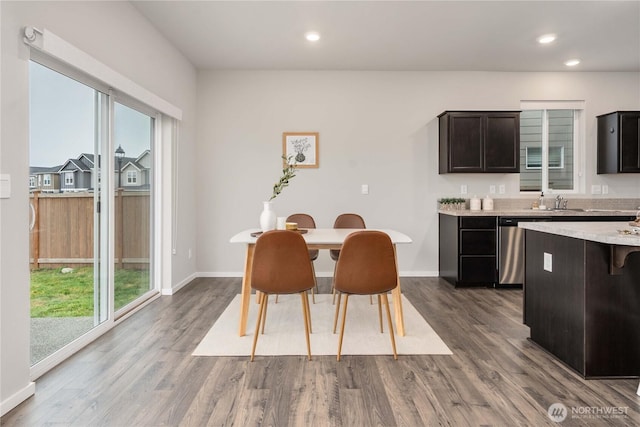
572,62
312,36
547,38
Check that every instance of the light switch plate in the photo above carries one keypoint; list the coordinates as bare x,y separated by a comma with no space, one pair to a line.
492,189
5,186
501,189
596,189
365,189
463,189
548,262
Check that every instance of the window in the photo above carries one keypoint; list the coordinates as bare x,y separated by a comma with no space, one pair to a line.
534,157
550,136
46,180
132,177
68,178
32,182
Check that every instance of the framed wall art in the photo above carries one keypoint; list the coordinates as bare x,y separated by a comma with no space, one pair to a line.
301,148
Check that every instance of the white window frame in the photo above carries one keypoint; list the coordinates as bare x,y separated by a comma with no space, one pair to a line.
46,180
579,132
32,181
68,178
561,166
132,177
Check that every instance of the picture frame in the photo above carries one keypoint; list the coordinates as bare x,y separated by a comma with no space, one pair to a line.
302,147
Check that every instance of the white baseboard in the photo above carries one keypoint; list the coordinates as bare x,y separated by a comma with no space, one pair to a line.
16,399
179,285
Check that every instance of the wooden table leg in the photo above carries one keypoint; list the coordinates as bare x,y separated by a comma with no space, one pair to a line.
245,295
397,301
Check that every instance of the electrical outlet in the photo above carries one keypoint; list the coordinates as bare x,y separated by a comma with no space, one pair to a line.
596,189
463,189
492,189
364,189
605,189
501,189
548,262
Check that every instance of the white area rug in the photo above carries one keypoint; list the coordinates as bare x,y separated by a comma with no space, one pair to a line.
284,331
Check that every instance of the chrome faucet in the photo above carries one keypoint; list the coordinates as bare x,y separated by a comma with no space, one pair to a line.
560,203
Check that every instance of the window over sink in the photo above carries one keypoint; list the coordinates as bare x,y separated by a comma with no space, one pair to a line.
551,134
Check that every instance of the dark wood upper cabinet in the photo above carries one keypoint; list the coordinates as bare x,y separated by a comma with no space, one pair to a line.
619,142
479,141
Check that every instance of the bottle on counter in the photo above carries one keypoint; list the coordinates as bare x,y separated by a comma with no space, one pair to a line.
487,204
541,204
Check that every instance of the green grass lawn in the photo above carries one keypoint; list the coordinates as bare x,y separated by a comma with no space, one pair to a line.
54,294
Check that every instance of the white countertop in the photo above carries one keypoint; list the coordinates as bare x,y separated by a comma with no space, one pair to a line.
602,232
538,213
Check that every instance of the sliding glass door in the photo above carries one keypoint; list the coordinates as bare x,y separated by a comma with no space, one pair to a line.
68,290
91,207
133,136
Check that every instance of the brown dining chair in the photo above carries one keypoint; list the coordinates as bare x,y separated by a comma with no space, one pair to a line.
306,221
345,220
281,265
367,266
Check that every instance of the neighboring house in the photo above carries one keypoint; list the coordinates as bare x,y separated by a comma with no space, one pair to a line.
135,171
75,174
45,179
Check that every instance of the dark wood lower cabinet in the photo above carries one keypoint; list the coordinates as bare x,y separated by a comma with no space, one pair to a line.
580,313
467,250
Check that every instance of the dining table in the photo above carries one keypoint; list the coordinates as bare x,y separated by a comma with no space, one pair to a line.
316,238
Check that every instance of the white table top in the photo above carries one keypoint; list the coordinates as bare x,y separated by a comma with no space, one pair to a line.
324,236
602,232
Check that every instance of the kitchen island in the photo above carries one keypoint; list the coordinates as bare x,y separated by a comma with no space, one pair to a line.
582,295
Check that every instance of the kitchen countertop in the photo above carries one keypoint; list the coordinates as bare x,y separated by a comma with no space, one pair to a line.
602,232
537,212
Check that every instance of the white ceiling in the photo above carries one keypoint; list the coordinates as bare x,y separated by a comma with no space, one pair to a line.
401,35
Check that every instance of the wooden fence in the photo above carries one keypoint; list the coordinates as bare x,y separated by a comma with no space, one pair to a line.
61,231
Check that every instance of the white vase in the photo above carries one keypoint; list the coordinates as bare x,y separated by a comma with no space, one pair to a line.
267,218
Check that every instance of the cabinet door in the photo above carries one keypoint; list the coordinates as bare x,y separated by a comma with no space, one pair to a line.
465,146
502,143
629,142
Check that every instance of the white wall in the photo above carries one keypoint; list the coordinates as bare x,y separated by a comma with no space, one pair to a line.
117,35
376,128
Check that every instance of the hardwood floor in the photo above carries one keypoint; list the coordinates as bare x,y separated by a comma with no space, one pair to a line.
142,373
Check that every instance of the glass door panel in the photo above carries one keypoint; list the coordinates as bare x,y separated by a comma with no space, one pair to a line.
133,133
66,131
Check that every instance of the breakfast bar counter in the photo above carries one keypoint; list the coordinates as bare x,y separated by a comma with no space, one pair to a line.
582,294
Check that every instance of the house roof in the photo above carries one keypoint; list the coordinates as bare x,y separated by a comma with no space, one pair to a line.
36,170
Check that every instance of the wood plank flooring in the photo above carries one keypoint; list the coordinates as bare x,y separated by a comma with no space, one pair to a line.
142,373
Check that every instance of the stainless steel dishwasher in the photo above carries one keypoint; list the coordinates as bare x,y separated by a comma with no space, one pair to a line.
511,249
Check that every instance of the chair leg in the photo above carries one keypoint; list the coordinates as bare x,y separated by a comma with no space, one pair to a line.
314,290
333,288
306,317
256,333
393,340
308,312
335,318
380,313
344,318
265,299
